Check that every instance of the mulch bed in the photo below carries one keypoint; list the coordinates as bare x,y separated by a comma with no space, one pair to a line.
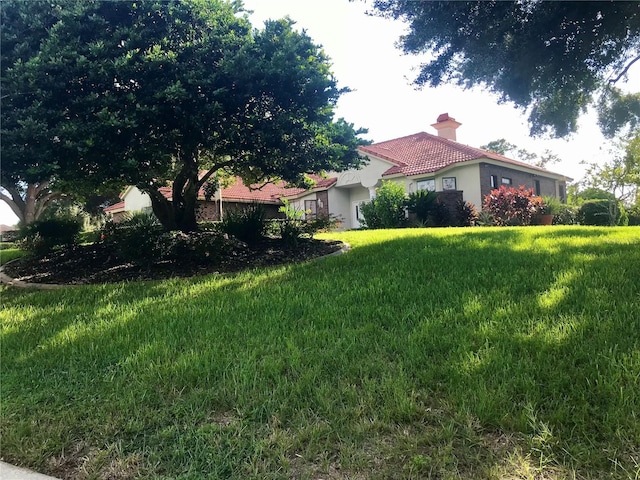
97,263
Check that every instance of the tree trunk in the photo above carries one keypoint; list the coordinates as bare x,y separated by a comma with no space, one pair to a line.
179,213
35,201
163,210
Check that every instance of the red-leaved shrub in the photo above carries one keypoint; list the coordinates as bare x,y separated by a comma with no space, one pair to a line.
512,206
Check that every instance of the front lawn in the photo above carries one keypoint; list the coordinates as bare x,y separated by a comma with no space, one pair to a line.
422,353
9,253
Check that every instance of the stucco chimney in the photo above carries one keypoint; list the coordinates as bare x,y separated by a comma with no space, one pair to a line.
446,126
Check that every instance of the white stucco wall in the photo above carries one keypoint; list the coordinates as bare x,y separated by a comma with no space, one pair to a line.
367,176
339,205
298,203
467,179
135,200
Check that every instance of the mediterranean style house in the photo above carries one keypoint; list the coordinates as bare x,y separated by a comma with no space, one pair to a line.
421,161
431,162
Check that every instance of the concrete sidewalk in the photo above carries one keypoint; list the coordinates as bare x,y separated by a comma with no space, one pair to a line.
9,472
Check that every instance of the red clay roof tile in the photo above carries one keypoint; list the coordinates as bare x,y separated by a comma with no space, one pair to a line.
425,153
268,193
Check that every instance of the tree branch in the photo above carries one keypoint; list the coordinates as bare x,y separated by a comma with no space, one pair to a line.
17,198
44,201
625,70
213,170
41,186
12,204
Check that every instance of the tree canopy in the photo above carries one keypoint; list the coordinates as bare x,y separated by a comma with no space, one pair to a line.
158,94
551,58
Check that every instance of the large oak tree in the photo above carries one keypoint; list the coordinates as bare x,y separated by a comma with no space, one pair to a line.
170,92
551,58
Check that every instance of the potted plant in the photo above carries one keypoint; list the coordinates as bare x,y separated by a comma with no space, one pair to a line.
547,208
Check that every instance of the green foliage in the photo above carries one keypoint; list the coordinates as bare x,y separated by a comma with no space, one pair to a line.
387,210
422,203
197,247
620,176
566,215
603,212
594,193
42,236
247,224
467,213
618,110
550,58
634,214
135,238
511,206
153,93
485,219
550,206
292,227
370,214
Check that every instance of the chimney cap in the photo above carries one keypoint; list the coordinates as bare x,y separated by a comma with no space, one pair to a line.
443,117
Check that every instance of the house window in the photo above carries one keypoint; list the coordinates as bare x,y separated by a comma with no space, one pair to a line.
506,181
429,184
537,186
310,209
494,181
448,183
563,193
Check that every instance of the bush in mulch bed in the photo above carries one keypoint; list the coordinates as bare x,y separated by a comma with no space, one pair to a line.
167,254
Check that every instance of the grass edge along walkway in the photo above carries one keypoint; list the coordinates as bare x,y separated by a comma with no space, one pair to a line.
448,353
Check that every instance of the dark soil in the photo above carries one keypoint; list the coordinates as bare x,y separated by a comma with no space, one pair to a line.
97,263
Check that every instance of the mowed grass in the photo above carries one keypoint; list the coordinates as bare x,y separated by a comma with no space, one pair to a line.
8,252
426,353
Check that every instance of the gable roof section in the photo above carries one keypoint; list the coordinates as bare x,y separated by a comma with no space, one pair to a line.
425,153
268,193
116,207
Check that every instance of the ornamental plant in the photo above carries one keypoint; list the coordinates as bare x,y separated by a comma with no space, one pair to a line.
387,210
512,206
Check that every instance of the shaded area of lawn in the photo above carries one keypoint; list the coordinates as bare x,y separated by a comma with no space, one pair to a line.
444,353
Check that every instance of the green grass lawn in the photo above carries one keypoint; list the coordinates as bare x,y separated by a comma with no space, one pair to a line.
9,252
422,353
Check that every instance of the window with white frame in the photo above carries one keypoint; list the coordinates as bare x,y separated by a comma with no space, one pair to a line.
427,184
506,181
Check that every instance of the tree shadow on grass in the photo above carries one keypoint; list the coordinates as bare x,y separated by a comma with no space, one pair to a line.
530,341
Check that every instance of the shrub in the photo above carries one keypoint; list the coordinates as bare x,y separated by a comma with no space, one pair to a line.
550,206
634,214
467,213
41,236
198,247
485,219
422,203
247,224
603,212
135,239
566,215
370,214
292,226
511,206
387,210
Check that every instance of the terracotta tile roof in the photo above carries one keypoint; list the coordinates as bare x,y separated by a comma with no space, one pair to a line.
269,193
425,153
115,207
